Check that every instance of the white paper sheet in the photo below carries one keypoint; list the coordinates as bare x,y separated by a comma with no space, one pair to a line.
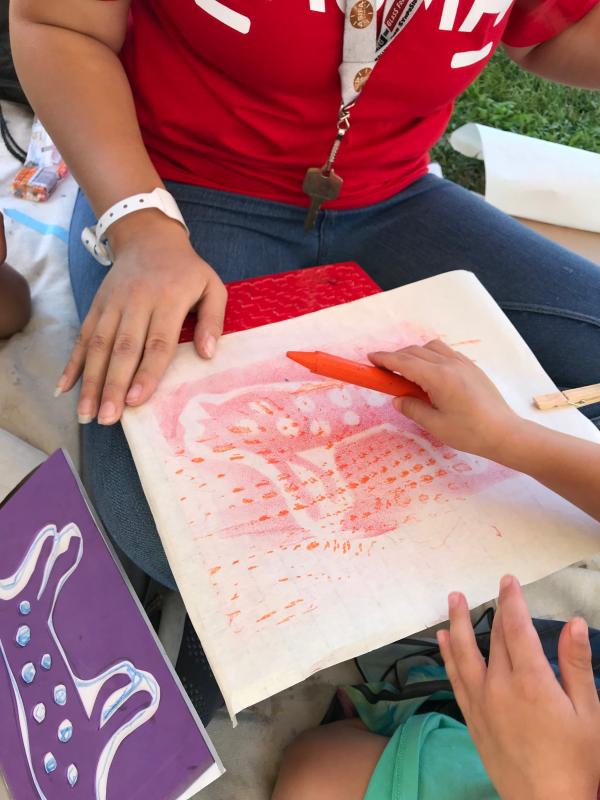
535,179
308,522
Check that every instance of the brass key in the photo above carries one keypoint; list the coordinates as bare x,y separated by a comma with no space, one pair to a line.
320,187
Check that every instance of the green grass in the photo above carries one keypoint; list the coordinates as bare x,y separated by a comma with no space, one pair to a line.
506,97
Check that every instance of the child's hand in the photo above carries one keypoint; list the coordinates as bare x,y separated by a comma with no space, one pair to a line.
467,410
536,738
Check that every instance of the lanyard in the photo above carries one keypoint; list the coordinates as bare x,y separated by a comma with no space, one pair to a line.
363,48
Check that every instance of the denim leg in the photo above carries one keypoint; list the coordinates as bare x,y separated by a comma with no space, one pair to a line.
245,237
550,294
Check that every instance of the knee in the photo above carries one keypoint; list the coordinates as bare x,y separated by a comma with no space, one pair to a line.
15,301
304,774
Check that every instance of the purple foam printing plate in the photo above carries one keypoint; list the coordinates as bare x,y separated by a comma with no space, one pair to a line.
90,707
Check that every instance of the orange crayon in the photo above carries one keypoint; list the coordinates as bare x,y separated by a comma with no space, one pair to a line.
369,377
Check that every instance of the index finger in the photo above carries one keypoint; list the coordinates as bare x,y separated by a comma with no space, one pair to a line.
521,639
443,349
461,692
410,366
159,349
211,314
499,663
469,661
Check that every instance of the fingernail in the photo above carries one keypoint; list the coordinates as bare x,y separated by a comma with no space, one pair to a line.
506,582
60,386
108,412
579,630
454,600
209,346
85,412
133,395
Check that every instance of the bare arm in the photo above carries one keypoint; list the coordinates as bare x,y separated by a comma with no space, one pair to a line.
468,413
565,464
66,57
572,57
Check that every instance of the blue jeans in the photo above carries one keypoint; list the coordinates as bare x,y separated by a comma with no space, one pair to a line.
551,295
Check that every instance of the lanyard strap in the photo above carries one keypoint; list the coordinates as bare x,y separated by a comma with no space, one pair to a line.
362,50
362,47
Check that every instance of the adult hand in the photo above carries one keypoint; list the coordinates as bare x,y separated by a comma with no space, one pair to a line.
536,737
466,412
129,336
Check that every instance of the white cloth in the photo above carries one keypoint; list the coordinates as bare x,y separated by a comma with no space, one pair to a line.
17,460
31,361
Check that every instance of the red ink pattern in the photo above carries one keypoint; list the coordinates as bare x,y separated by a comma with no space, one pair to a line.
286,453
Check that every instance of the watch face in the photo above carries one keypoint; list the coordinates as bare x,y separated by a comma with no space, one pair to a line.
361,77
361,14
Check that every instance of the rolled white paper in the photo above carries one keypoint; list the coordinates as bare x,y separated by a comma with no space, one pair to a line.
531,178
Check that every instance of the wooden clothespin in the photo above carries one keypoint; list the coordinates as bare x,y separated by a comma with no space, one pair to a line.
584,396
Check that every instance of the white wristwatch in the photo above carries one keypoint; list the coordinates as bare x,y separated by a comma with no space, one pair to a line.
94,238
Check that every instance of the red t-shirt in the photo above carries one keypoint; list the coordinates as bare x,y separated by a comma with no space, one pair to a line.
242,95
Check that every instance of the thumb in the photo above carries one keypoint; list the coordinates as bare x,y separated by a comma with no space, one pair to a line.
211,314
417,410
575,664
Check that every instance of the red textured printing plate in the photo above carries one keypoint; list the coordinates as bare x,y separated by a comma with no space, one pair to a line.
273,298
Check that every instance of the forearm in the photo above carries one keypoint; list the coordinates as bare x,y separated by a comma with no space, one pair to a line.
79,89
567,465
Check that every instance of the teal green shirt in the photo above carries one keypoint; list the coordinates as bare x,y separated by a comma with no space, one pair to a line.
430,757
